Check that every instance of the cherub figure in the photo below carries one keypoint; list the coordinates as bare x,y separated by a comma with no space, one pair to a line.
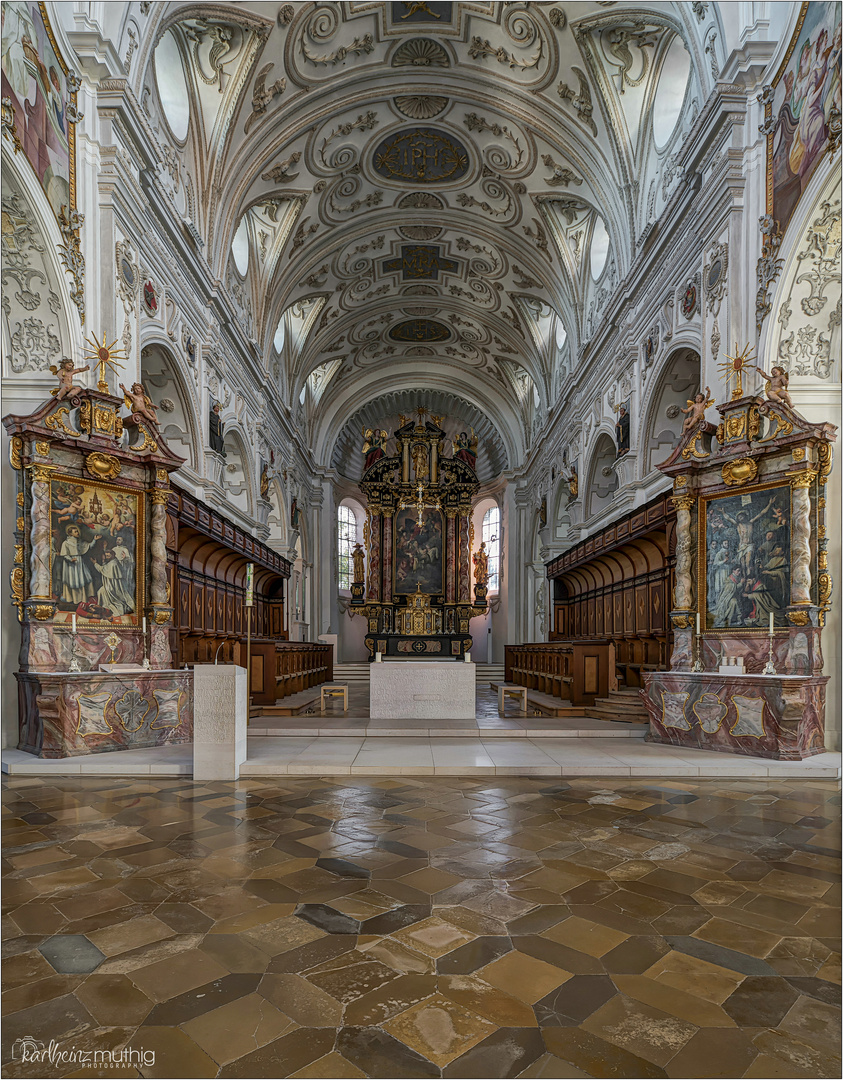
64,373
777,383
696,411
140,405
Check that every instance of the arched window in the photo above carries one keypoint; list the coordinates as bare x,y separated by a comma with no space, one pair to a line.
492,539
346,539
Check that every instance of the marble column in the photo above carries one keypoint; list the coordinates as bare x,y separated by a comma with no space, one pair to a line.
464,567
387,556
683,591
800,542
39,565
374,576
450,559
158,549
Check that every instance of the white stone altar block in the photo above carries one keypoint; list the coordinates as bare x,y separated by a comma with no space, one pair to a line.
220,718
421,690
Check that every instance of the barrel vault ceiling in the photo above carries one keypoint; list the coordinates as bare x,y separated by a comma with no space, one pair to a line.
418,197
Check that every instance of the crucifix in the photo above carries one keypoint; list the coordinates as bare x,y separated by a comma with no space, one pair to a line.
420,504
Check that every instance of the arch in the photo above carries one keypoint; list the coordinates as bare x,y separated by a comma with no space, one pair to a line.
277,519
169,385
238,473
677,381
600,487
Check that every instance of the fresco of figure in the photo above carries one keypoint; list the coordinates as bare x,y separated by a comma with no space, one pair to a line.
465,449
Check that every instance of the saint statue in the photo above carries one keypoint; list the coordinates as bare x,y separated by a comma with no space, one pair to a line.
373,446
295,514
265,481
573,482
466,449
622,431
358,557
481,565
216,428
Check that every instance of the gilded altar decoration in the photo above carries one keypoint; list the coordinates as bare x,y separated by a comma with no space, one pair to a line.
751,559
105,357
92,536
418,540
695,411
421,155
733,368
139,404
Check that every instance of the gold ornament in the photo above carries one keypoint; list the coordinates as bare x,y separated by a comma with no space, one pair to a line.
799,618
103,466
104,356
15,452
733,366
741,471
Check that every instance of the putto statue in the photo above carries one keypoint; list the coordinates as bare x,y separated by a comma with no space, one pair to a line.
358,557
64,373
777,382
481,565
137,400
696,411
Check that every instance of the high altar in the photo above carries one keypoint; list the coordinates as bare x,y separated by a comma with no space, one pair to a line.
752,585
416,596
90,575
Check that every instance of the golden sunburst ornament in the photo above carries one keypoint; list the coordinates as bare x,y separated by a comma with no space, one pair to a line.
104,356
733,366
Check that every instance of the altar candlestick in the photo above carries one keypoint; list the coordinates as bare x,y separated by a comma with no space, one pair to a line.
73,622
698,624
144,624
771,622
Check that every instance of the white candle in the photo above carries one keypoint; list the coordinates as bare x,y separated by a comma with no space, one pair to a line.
698,624
468,657
771,622
144,624
73,618
377,657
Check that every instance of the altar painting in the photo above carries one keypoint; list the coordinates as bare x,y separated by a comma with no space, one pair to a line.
418,552
34,79
746,558
94,551
806,93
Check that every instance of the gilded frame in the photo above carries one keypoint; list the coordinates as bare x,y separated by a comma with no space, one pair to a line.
703,502
140,496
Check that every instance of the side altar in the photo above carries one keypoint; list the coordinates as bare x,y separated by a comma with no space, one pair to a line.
90,573
416,592
752,586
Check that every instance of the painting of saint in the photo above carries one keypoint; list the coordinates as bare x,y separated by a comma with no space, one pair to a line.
34,80
747,559
806,96
94,532
418,552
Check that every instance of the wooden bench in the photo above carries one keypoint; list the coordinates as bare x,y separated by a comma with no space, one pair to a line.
332,690
511,690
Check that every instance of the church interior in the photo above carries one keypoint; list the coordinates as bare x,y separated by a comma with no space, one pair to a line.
421,655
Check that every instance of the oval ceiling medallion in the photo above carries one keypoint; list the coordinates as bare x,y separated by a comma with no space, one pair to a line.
420,106
421,155
418,330
420,200
420,232
420,52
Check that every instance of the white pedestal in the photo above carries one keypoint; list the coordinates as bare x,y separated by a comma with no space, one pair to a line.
421,690
220,716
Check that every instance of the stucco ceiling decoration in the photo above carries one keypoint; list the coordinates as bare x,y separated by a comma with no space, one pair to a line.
461,154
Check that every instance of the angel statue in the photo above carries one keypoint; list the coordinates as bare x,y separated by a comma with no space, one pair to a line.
139,404
64,373
373,446
777,383
481,565
358,558
696,411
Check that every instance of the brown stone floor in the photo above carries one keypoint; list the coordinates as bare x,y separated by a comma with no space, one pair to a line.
351,927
